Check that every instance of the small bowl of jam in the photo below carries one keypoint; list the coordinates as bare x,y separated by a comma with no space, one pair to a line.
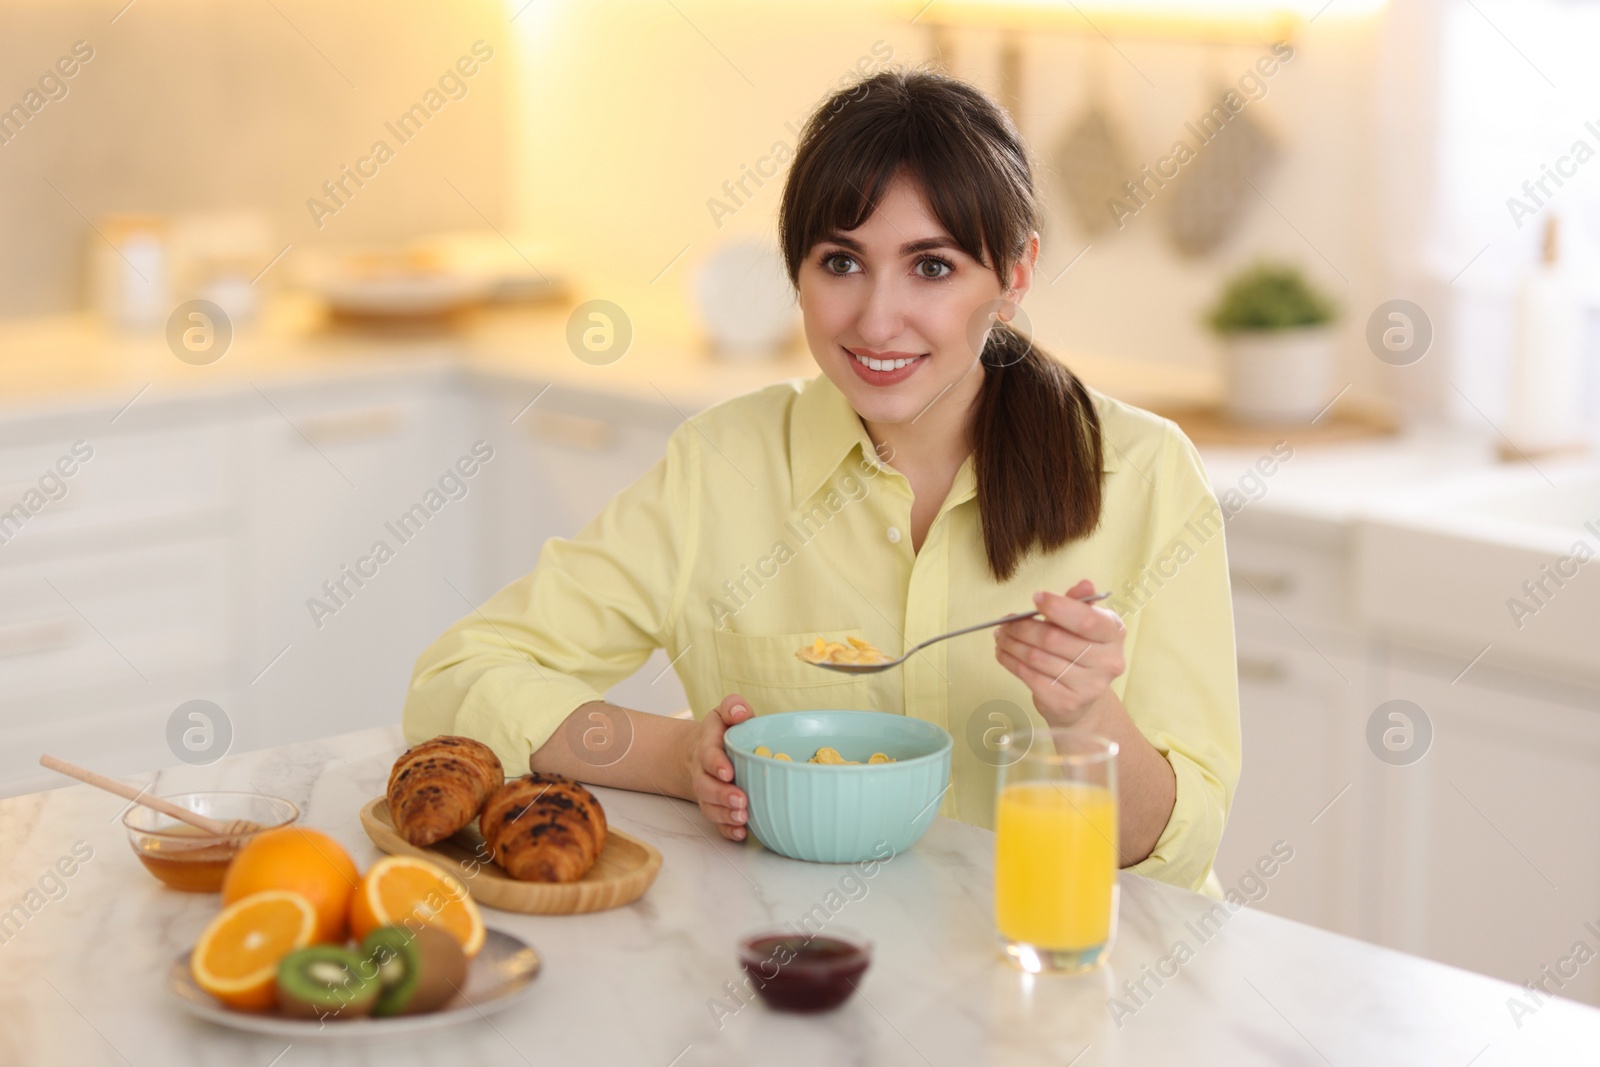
186,857
797,972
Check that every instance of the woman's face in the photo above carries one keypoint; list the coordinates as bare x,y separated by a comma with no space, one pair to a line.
893,309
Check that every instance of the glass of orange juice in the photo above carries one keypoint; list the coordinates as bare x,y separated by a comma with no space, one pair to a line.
1055,864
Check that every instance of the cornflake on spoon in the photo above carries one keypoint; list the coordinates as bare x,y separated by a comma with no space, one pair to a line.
857,651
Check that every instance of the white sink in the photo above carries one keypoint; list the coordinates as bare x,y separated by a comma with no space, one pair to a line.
1491,560
1562,509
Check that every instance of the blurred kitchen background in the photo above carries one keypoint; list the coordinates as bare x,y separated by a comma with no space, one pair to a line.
271,271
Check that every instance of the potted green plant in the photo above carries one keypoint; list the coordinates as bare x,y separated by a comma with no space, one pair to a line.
1279,345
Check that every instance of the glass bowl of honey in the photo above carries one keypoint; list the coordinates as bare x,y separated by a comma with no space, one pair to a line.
188,858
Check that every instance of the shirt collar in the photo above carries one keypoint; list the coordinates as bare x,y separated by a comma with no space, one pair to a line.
824,431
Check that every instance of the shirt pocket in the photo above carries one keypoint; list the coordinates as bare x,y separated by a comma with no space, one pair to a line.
766,671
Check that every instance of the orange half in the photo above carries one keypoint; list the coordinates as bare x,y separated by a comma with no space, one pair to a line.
403,891
236,959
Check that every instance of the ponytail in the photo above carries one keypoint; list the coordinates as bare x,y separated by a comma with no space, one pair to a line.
1036,450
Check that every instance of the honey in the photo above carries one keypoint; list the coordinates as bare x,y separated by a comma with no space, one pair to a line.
187,858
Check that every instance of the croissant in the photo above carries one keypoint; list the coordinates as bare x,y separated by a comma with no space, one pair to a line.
439,786
544,828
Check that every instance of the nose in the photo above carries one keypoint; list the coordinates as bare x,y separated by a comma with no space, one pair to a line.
882,317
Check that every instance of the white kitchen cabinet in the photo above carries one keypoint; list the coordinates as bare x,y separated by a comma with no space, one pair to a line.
97,649
192,556
114,730
338,469
1488,858
1480,853
562,454
1302,762
149,467
558,463
119,598
126,616
1302,689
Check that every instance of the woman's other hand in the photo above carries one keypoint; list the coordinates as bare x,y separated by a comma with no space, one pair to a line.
710,773
1068,658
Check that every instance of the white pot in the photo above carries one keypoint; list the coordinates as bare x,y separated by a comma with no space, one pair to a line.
1279,375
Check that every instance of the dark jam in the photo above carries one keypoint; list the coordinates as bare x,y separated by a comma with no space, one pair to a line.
804,974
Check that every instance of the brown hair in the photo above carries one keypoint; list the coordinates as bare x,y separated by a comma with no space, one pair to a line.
1035,432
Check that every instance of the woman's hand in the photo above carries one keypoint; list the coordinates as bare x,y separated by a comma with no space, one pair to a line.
1068,658
709,772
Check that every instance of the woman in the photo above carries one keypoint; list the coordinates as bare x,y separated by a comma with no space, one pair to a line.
940,471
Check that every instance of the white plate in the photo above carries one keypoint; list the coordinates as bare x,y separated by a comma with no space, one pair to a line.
403,295
746,301
498,977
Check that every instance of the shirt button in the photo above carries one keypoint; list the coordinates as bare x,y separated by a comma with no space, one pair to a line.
894,536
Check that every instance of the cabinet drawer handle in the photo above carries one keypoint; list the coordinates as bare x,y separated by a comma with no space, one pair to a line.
346,426
573,431
33,637
1269,583
1262,670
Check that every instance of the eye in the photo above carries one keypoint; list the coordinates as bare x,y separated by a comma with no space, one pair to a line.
837,263
942,268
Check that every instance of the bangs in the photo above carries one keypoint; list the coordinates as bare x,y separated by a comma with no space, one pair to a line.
855,147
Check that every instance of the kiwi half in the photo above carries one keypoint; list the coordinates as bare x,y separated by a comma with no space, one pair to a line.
420,970
326,980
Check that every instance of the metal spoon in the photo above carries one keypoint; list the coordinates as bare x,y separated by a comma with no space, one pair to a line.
874,668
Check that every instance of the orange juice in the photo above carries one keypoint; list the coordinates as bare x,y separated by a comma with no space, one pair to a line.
1055,864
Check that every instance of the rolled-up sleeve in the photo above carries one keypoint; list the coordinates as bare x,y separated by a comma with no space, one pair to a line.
1182,688
586,617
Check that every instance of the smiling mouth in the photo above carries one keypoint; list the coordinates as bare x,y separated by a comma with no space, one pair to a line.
885,364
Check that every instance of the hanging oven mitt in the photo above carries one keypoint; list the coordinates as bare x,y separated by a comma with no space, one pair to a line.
1093,162
1212,194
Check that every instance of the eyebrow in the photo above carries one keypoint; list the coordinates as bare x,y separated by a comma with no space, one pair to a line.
910,248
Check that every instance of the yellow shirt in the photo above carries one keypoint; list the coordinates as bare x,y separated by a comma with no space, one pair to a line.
770,522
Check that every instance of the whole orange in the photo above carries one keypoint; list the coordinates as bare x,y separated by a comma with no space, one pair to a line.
302,861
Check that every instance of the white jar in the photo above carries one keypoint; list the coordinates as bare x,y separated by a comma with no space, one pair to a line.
131,272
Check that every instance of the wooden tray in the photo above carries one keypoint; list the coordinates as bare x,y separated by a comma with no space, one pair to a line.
623,872
1211,426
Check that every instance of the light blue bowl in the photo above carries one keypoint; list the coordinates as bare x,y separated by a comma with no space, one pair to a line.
840,814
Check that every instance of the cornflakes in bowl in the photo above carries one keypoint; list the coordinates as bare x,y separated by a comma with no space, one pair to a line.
825,755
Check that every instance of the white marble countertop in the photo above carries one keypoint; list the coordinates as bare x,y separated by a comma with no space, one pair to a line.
1339,483
80,976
